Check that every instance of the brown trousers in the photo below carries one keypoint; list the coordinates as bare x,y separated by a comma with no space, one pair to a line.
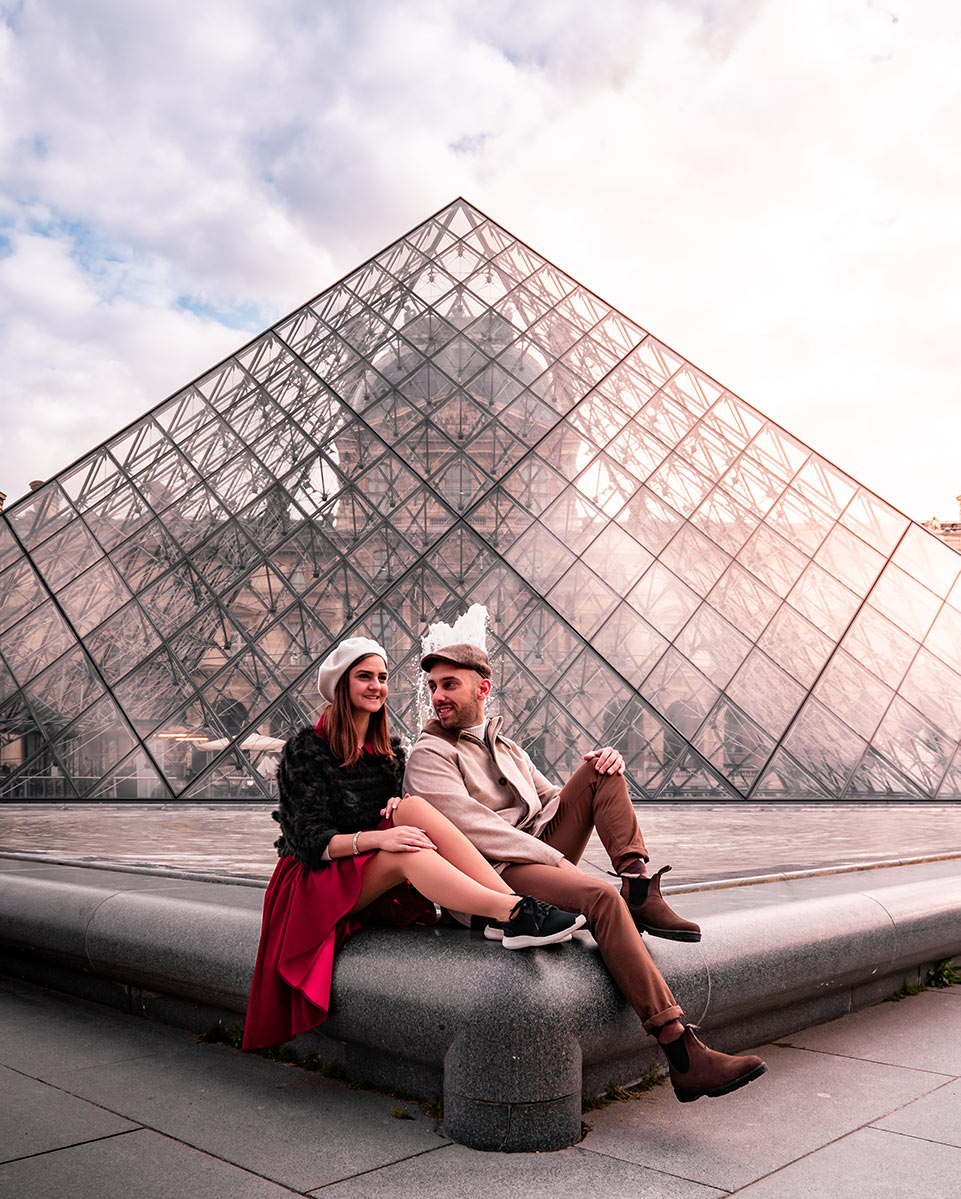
592,800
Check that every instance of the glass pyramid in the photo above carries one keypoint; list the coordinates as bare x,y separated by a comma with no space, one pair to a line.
460,422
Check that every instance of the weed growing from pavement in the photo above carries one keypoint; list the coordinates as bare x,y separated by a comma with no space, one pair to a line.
906,988
944,974
616,1093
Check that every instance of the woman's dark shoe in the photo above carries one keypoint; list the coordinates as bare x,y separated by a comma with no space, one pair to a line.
697,1070
532,923
651,911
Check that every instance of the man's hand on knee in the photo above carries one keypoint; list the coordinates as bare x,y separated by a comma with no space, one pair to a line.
606,761
567,864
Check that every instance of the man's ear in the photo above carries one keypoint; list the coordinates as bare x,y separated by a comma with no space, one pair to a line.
485,687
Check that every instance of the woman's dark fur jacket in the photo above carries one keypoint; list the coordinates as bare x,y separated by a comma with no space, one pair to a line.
319,797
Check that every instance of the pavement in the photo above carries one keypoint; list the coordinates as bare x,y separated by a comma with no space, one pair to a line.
100,1104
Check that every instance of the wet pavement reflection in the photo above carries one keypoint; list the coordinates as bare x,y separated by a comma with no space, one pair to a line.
703,842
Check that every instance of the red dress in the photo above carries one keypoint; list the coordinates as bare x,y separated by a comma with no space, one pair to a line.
307,918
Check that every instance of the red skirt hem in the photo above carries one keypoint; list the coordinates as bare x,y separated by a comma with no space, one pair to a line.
307,918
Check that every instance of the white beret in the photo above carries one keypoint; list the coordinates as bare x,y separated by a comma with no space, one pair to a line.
340,658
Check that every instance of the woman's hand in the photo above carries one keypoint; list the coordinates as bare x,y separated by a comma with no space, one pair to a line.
390,807
405,838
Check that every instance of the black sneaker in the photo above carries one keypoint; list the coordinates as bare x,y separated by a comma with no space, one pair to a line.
532,923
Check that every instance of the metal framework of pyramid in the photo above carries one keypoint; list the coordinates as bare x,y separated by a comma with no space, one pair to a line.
460,422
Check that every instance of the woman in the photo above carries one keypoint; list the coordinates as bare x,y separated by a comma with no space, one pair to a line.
352,850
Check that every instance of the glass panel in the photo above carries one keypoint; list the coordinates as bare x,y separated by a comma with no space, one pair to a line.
680,692
20,592
608,485
736,421
383,557
146,556
679,484
534,484
753,486
796,645
725,521
822,599
123,641
707,451
745,602
735,745
876,779
778,452
928,559
292,644
94,744
798,520
567,450
853,694
61,693
35,642
499,520
825,485
539,557
629,643
421,520
339,598
906,602
715,647
648,519
935,690
785,780
257,599
225,557
915,746
40,515
663,600
637,450
460,483
574,520
555,742
880,646
693,389
175,600
509,603
155,691
582,599
824,746
666,419
545,645
92,481
944,639
119,516
693,780
847,557
195,517
655,361
528,418
874,521
776,563
92,597
617,558
591,692
629,389
766,693
695,559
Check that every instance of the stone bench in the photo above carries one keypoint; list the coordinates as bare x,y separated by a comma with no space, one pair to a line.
509,1040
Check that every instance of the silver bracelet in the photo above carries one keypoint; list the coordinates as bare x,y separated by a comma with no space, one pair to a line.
356,835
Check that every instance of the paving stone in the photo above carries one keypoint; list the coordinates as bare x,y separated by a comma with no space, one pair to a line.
142,1164
935,1117
472,1175
288,1124
35,1118
43,1033
868,1164
805,1101
920,1032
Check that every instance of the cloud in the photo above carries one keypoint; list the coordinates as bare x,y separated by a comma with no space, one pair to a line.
770,187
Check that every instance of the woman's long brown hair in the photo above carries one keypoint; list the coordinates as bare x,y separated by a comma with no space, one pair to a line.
339,727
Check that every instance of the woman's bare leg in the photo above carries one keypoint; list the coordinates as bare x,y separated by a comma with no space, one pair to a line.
451,843
436,879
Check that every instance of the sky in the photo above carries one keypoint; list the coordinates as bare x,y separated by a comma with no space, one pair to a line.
772,188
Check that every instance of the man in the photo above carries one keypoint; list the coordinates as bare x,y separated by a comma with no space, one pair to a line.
535,833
